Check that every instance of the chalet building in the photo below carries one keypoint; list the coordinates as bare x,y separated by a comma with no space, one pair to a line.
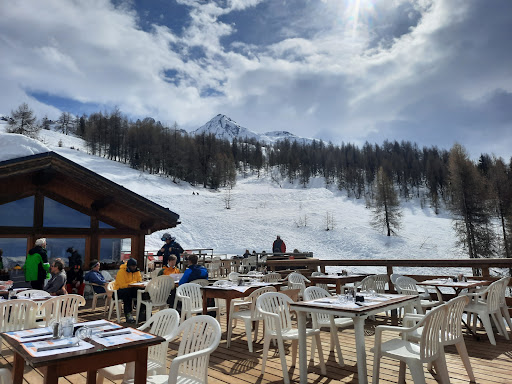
47,195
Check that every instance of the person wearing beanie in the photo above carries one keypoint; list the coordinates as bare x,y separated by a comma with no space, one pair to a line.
128,273
94,276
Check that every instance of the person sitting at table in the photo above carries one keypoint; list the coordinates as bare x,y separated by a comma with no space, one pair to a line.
75,278
194,271
95,277
171,267
128,273
57,284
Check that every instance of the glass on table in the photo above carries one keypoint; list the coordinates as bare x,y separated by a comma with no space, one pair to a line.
83,333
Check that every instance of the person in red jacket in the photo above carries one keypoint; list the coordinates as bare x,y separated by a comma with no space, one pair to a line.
279,246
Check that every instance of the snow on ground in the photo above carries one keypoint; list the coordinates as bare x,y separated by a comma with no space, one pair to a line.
260,210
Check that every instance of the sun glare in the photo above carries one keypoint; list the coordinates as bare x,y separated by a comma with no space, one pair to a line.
358,13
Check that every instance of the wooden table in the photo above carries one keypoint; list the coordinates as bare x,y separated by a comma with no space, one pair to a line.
358,315
89,360
230,293
456,286
335,279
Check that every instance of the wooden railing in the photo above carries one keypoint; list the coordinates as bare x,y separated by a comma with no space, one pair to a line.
480,266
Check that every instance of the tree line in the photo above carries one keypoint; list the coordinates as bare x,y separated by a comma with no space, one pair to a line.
479,194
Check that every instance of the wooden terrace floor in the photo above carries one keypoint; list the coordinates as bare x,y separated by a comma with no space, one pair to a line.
236,365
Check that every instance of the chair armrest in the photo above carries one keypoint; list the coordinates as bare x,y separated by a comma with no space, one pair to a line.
412,318
178,360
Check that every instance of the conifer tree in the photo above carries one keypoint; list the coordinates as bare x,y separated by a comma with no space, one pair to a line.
386,211
23,121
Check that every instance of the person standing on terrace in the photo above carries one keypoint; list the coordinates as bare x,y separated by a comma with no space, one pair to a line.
36,267
278,246
171,247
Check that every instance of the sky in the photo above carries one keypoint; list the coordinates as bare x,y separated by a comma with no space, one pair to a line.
434,72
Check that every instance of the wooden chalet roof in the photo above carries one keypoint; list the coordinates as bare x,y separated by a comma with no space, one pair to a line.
69,183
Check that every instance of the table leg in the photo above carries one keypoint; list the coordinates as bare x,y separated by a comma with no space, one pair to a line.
228,307
91,377
360,349
303,363
338,287
141,366
18,368
205,302
50,375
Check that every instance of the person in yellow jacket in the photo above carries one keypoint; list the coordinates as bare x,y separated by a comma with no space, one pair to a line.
128,273
171,267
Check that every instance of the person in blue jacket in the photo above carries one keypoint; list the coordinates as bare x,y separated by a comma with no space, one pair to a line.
94,276
194,271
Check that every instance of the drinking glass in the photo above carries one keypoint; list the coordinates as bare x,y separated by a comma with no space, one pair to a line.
371,292
83,333
67,327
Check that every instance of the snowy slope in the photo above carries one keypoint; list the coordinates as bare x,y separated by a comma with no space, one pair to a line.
261,210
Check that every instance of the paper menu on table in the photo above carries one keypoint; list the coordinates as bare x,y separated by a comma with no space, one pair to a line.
68,345
134,335
30,334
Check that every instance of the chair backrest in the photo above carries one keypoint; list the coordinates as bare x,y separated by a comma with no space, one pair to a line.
61,306
433,325
504,281
380,282
272,277
191,291
493,298
297,281
315,274
33,293
406,286
234,276
159,289
314,293
252,273
201,282
110,288
153,274
200,337
164,323
395,276
255,314
17,314
453,319
275,309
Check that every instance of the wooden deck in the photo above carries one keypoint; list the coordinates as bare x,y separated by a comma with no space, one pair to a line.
237,365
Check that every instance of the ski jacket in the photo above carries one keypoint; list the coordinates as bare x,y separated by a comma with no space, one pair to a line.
279,246
194,272
96,278
56,283
75,259
173,248
36,265
124,277
168,271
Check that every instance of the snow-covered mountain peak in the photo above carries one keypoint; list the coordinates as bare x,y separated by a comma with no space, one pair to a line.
223,127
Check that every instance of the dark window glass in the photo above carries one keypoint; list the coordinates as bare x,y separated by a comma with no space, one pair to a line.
14,251
57,248
101,224
19,213
60,215
111,249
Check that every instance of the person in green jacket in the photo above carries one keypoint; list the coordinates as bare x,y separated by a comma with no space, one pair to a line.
36,266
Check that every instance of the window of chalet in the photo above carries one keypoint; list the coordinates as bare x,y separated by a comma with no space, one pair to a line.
19,213
14,251
110,249
57,248
60,215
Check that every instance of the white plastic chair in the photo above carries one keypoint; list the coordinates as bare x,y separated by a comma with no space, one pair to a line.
452,334
424,294
234,276
61,306
159,290
274,307
272,277
321,320
297,281
96,296
154,273
214,267
201,282
112,301
163,323
192,300
407,286
486,304
16,315
200,337
503,303
414,355
248,316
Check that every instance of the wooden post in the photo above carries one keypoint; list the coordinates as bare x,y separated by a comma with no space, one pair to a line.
389,270
138,245
92,246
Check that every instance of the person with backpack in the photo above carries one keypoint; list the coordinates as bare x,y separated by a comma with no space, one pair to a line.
278,246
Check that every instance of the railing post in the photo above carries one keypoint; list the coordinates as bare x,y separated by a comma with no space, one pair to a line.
389,269
485,271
